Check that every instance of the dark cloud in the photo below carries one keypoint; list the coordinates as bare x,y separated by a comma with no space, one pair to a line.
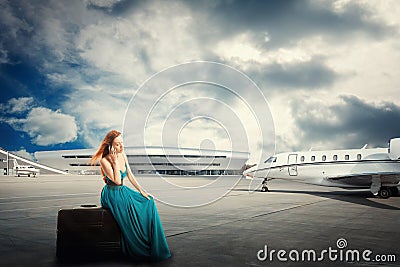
288,21
42,31
15,30
313,74
114,8
39,40
350,124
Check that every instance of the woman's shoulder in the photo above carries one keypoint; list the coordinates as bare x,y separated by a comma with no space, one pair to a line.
105,160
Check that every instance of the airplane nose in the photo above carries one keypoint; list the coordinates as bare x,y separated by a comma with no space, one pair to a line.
250,171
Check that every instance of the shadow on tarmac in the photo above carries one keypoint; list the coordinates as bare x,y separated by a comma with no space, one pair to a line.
112,260
356,197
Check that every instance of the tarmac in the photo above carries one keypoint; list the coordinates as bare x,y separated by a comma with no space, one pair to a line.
301,225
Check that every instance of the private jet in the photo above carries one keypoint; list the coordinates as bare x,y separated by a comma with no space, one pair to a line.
24,170
375,168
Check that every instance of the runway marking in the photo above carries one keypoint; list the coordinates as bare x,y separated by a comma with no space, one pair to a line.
247,218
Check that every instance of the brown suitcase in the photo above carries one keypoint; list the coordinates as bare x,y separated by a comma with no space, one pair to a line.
87,232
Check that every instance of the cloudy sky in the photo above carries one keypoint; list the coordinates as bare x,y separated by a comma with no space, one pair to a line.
329,70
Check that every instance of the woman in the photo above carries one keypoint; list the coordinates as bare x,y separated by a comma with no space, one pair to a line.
135,212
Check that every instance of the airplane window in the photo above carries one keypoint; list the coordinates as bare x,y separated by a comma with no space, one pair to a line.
334,157
271,159
359,156
312,158
302,158
347,157
323,158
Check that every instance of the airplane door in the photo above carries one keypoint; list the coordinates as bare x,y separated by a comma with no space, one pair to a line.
292,167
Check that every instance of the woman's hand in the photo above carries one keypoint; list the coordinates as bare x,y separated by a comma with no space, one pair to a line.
113,155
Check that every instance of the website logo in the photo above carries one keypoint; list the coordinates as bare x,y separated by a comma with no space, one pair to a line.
339,253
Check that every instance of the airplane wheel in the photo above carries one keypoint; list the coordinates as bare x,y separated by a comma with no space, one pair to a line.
384,193
264,189
394,190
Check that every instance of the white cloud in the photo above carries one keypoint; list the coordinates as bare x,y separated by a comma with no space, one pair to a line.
17,105
145,41
387,11
103,58
239,48
96,111
23,153
3,55
115,55
14,26
366,67
118,55
46,127
189,115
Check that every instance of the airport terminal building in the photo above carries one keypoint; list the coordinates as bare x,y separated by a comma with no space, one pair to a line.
153,160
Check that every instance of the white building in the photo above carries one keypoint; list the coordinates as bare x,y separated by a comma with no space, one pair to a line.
151,160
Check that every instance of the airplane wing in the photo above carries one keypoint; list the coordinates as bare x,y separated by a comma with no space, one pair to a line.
365,179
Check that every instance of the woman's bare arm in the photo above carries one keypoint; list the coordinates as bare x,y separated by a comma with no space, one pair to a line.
133,180
112,170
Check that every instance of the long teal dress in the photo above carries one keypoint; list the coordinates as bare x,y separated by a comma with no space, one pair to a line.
142,232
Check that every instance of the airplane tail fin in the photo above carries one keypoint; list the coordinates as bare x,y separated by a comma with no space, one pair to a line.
15,162
394,148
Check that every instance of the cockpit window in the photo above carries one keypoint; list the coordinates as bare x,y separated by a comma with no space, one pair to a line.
270,160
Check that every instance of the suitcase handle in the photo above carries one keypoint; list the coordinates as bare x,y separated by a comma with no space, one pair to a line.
89,206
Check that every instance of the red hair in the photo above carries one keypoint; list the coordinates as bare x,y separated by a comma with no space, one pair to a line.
104,148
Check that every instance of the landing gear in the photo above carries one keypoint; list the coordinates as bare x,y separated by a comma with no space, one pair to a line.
264,187
384,192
